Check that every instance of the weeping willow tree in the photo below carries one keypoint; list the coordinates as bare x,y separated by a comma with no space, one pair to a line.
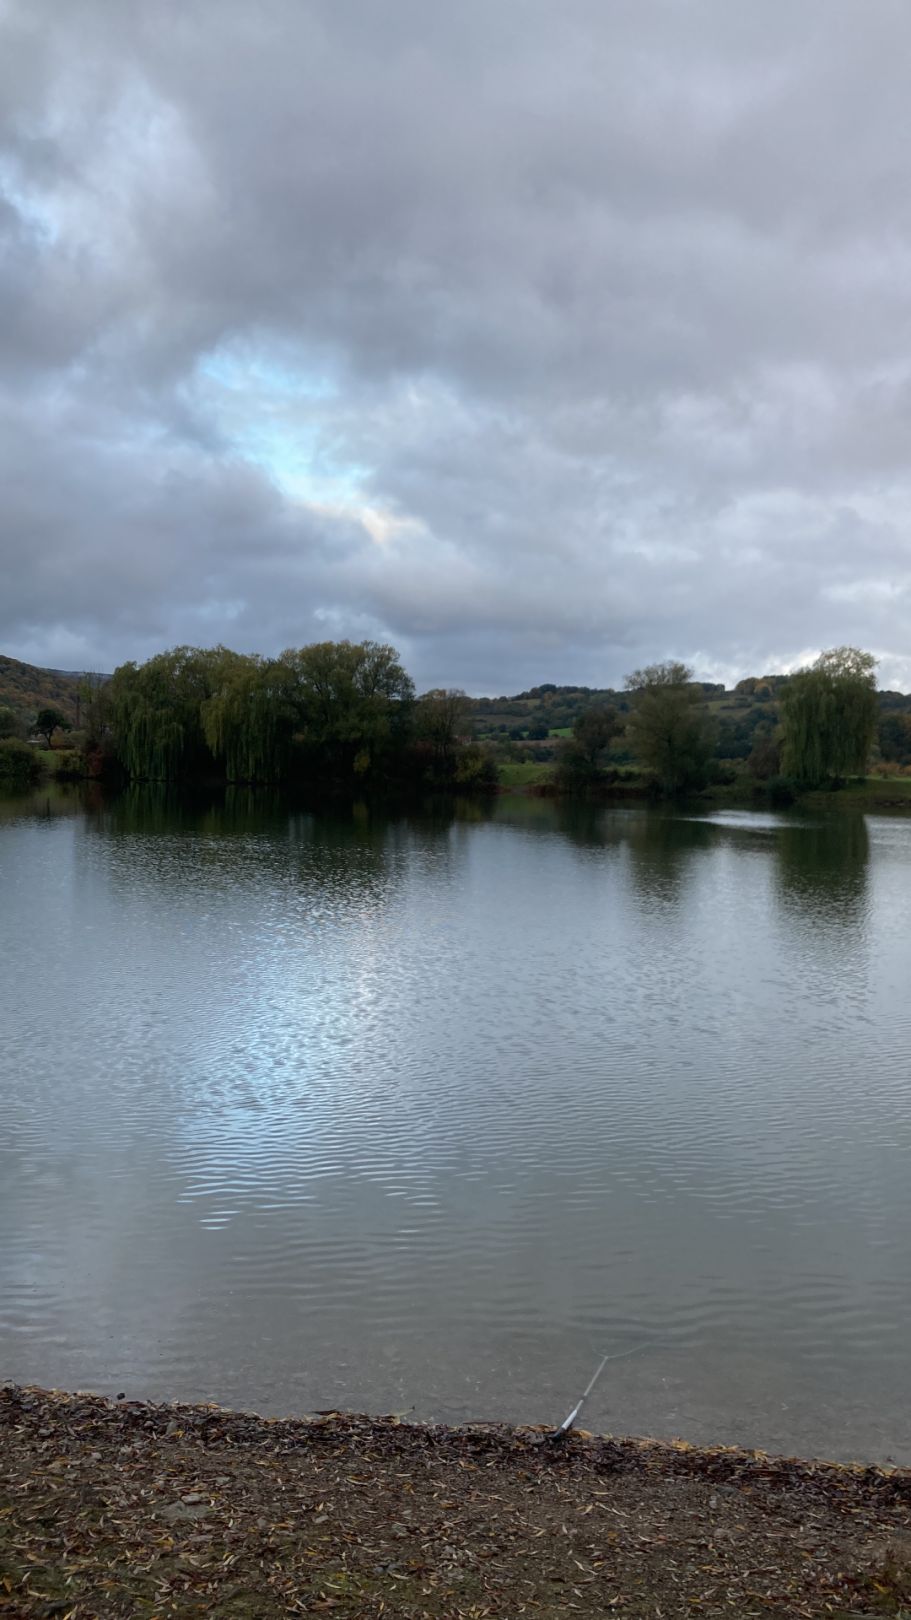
248,720
155,711
194,710
828,715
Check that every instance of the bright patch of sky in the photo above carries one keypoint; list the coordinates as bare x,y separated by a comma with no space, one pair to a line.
280,417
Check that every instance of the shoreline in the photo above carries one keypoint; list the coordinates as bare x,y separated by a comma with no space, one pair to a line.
131,1508
622,1453
875,795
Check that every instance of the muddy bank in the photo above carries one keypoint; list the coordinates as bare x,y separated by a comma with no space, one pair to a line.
130,1509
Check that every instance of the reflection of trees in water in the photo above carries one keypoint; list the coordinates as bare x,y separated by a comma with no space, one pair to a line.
50,801
356,845
822,868
247,836
241,834
660,847
156,808
588,826
663,851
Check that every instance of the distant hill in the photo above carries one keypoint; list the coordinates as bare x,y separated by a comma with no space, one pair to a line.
528,725
26,689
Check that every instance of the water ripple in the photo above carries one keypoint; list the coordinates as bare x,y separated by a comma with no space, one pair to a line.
356,1111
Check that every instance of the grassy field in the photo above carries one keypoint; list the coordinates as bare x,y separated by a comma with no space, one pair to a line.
524,774
873,793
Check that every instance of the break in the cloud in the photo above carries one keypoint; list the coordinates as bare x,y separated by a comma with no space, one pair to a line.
539,340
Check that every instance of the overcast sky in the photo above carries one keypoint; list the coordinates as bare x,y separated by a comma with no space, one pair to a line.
541,340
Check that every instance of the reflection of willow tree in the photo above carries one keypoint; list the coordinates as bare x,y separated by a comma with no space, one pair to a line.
301,861
156,809
823,869
356,853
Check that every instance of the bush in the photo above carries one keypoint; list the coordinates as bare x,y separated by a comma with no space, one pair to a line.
69,765
19,764
476,768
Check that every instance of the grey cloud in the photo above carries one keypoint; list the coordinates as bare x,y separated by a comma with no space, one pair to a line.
590,325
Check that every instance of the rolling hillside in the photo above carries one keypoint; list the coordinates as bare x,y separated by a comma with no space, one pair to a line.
26,689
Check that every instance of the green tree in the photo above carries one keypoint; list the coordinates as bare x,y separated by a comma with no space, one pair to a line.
353,702
668,729
443,721
94,704
828,716
895,738
593,731
336,712
10,724
248,719
156,710
581,756
475,767
49,720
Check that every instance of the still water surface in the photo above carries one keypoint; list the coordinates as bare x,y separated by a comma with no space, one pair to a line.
302,1111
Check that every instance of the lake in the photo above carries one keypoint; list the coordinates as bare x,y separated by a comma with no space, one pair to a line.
426,1113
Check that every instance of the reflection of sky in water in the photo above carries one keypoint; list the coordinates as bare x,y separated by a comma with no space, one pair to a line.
360,1110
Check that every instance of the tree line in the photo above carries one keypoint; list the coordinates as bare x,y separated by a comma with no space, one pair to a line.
346,715
337,714
827,721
